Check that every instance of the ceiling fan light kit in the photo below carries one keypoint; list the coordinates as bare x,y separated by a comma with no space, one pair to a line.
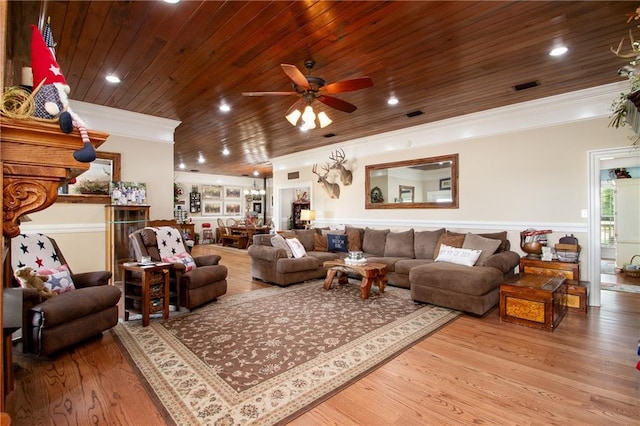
311,88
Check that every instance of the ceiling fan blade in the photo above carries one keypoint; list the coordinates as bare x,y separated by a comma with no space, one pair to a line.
295,75
336,103
348,85
268,93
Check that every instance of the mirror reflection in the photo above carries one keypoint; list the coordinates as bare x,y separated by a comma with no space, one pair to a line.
420,183
93,185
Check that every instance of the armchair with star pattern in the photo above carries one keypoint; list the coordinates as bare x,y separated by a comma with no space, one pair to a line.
85,304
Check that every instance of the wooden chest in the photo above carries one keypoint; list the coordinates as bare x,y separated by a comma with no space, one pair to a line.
534,301
577,295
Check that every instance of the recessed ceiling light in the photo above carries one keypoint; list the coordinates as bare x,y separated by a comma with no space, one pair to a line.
112,78
392,100
225,151
225,108
558,51
255,173
172,1
182,166
200,159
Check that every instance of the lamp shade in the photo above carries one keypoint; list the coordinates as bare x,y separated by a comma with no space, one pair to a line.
307,215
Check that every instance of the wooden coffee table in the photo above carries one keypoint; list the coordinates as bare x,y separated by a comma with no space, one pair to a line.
370,273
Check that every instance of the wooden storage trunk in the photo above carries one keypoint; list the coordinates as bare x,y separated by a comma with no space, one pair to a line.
577,295
534,301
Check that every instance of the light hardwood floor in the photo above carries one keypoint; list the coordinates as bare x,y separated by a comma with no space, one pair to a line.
474,370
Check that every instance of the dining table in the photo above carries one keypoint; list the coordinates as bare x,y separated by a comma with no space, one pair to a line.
249,231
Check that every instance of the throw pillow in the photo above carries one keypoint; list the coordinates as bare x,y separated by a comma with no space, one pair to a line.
450,239
354,238
306,237
486,245
296,247
278,241
458,256
374,241
184,258
399,244
337,243
320,242
60,281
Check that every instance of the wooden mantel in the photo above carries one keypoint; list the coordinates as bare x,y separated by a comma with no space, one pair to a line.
37,157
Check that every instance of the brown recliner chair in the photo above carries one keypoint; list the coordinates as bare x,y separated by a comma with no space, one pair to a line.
70,317
205,283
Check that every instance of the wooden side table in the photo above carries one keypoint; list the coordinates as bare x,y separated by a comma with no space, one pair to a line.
369,272
577,291
146,290
534,301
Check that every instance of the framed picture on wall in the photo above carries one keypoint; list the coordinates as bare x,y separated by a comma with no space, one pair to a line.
445,184
232,192
212,191
232,208
257,207
211,207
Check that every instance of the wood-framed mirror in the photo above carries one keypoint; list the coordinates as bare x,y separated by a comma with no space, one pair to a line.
93,185
424,183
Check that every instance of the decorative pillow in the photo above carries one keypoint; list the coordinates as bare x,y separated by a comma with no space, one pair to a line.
184,258
337,243
450,239
424,243
306,237
488,246
296,247
399,244
320,242
278,241
59,282
51,271
374,240
354,238
502,236
458,256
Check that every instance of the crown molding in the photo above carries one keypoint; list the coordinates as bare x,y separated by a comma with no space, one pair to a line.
587,104
125,123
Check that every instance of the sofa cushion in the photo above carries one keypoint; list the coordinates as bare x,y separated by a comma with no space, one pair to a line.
502,236
399,244
354,238
487,246
424,243
307,263
403,266
374,241
305,236
60,281
337,243
459,256
477,280
296,247
389,261
451,239
278,241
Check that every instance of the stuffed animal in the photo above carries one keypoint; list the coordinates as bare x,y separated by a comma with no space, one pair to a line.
51,99
30,279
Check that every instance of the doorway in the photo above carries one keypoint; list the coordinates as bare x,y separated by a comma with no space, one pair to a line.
286,196
601,251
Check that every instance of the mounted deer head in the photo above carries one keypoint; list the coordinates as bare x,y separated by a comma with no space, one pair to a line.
332,189
346,177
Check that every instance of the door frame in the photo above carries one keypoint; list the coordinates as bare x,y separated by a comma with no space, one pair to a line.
595,158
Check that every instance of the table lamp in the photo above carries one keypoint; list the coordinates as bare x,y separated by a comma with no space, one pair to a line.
308,216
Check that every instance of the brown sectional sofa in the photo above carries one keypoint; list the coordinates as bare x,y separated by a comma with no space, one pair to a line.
410,259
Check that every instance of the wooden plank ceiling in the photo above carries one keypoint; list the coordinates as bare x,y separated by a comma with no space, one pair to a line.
181,61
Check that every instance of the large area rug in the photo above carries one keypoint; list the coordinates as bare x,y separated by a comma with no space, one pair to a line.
268,355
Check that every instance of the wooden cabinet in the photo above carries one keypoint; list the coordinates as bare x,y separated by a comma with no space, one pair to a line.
296,208
146,290
577,292
627,223
122,221
534,301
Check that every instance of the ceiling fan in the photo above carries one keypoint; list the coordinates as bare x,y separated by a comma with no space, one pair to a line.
311,88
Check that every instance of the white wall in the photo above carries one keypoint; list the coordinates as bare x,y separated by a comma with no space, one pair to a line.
519,167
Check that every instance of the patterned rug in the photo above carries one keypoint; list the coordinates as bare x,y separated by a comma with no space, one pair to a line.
266,356
625,288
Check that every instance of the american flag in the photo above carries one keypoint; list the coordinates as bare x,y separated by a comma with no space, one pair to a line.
48,37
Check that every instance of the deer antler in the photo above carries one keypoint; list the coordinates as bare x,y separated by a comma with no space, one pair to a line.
635,49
